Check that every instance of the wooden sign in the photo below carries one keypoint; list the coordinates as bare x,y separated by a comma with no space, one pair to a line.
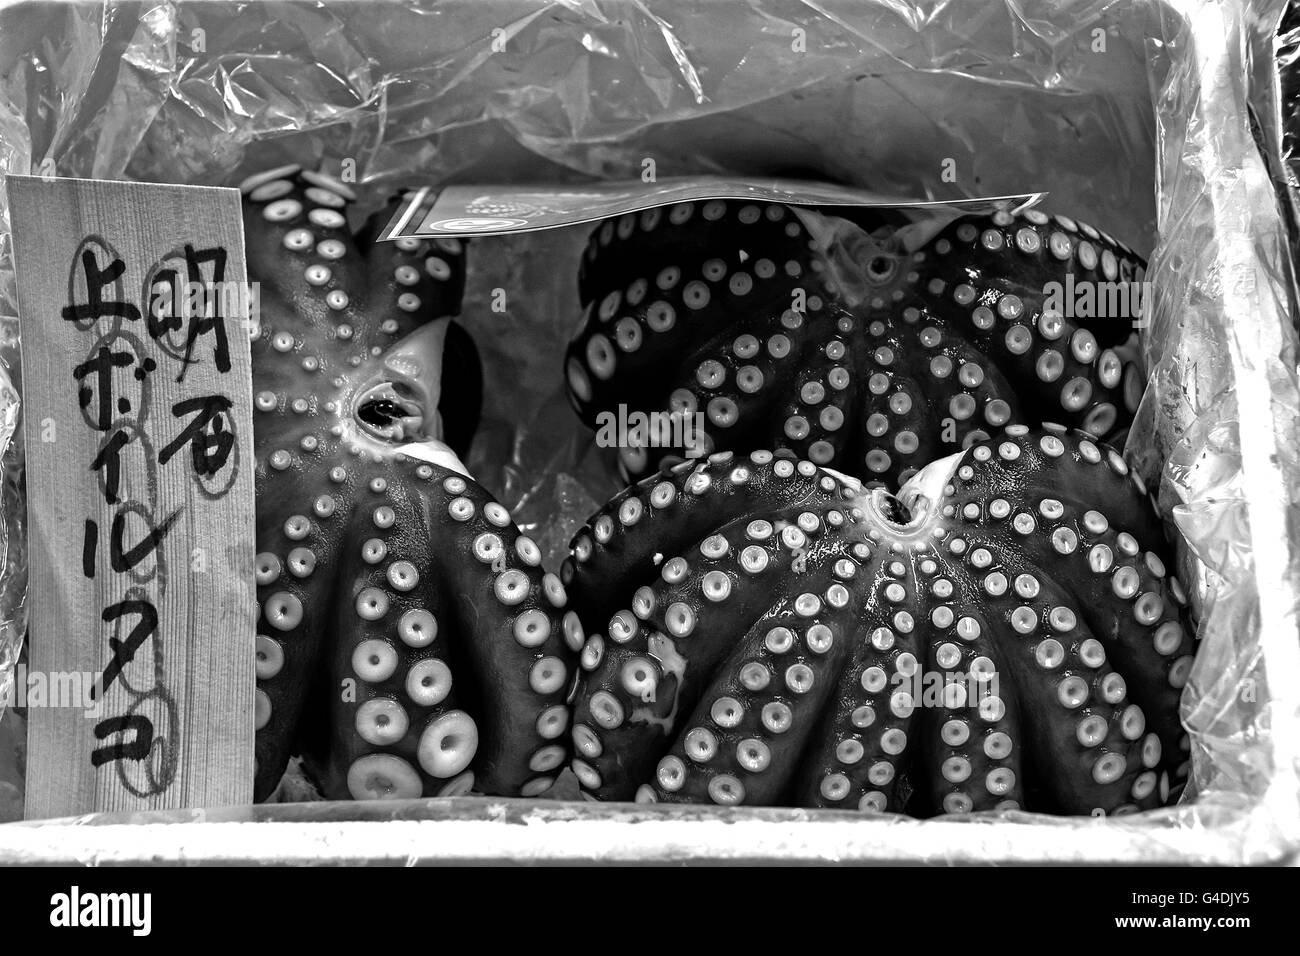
134,308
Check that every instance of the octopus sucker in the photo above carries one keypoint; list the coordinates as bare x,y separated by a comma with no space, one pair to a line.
1002,633
797,331
410,643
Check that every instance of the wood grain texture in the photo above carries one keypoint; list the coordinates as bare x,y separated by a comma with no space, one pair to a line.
189,684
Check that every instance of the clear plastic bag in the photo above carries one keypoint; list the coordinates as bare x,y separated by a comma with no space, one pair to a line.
1133,116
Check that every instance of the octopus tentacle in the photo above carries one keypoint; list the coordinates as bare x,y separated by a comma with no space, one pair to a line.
818,671
1122,591
928,392
820,393
1008,269
397,666
742,741
667,513
626,699
645,668
522,660
391,664
1079,473
975,737
665,286
424,641
293,598
1137,612
717,240
734,385
859,752
979,741
1054,663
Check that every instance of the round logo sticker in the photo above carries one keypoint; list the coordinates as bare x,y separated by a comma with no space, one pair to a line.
474,224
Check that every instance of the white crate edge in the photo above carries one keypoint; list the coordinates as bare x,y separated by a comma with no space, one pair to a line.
485,830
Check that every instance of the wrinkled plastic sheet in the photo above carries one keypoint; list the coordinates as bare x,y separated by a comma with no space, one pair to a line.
1275,108
1133,116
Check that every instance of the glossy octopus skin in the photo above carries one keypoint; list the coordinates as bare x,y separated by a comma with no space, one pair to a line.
865,357
765,631
409,642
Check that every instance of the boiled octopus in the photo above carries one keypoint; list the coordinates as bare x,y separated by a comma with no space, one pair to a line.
784,328
1003,633
409,641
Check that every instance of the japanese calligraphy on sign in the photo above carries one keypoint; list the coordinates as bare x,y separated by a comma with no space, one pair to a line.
135,312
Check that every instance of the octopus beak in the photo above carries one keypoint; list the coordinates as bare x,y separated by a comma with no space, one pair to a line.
398,402
925,489
911,514
857,262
